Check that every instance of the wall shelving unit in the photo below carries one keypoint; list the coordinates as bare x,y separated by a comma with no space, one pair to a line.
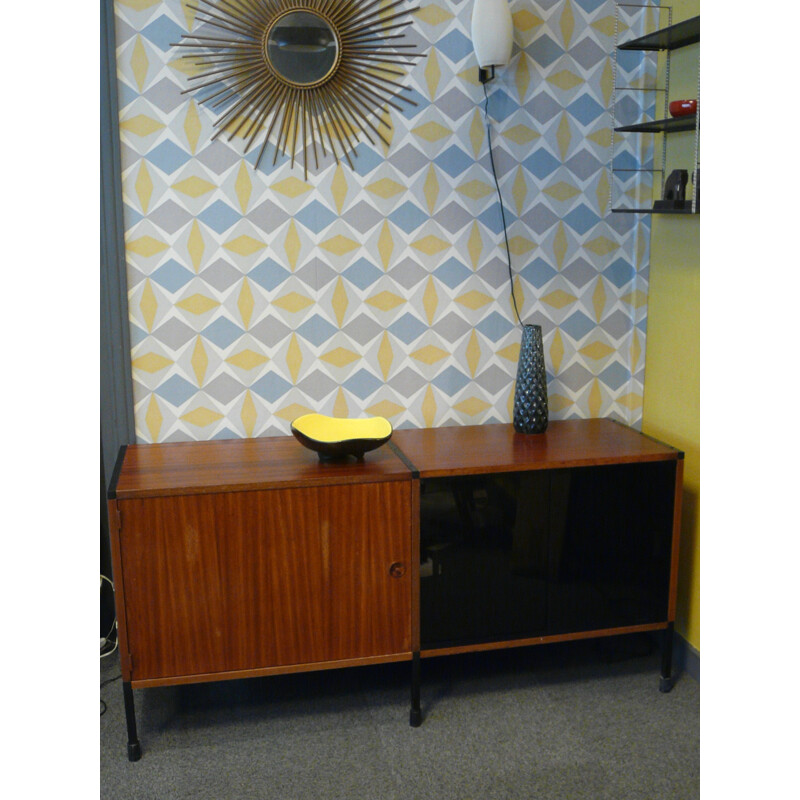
667,39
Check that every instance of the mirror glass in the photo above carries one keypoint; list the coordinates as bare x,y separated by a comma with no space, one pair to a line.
302,48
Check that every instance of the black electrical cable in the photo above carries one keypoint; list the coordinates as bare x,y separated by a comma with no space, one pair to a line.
105,683
500,197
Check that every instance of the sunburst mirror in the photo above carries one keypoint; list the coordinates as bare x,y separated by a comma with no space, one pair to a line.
311,76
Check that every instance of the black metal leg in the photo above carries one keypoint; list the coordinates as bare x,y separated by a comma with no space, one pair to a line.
134,748
667,681
416,713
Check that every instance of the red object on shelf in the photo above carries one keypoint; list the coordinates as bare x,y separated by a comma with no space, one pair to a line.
680,108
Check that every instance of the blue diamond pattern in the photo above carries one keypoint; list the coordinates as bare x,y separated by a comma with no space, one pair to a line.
222,332
538,273
455,46
317,330
454,161
501,105
366,159
219,217
163,32
577,325
544,51
271,387
451,381
581,219
172,276
585,109
541,163
407,328
452,273
168,157
176,390
362,274
615,375
315,216
363,384
269,274
408,217
494,327
620,272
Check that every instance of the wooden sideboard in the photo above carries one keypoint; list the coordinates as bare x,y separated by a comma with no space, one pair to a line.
244,558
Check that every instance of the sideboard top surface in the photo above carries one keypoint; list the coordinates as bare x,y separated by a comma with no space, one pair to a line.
152,470
276,462
482,449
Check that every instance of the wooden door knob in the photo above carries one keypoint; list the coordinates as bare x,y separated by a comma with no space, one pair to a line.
397,570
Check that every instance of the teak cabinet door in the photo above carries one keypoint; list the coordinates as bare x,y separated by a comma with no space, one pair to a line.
246,580
370,576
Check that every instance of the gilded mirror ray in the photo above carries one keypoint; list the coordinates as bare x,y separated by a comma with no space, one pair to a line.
311,76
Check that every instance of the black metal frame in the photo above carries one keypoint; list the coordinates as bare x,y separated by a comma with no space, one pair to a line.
134,748
667,679
415,717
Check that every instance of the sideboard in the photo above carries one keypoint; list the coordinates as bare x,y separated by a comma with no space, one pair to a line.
245,558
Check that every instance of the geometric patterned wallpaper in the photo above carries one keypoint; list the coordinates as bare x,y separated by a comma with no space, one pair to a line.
256,296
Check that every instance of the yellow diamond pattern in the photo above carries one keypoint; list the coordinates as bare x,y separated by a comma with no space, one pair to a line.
199,361
243,186
340,357
474,300
429,354
192,126
432,73
194,186
476,190
433,14
386,301
198,304
339,245
430,245
340,302
151,362
432,132
385,355
141,125
202,417
521,134
386,188
247,359
293,301
293,411
154,419
248,414
291,187
148,305
146,246
244,245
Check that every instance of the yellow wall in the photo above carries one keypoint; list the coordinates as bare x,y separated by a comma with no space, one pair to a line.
672,373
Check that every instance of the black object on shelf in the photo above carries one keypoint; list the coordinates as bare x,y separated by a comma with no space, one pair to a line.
679,35
674,191
671,125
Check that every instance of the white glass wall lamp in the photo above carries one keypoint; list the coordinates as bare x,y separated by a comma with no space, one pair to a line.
492,35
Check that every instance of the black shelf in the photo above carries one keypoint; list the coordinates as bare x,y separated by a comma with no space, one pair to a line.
671,38
654,211
671,125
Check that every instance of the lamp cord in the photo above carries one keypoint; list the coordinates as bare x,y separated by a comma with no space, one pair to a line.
500,198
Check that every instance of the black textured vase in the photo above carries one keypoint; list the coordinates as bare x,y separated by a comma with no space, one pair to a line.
530,396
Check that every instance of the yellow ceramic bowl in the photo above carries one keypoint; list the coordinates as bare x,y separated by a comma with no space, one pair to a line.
333,437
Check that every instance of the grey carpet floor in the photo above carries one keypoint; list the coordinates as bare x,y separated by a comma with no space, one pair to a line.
556,722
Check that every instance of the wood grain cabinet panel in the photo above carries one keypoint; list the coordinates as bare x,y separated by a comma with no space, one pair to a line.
370,533
218,583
